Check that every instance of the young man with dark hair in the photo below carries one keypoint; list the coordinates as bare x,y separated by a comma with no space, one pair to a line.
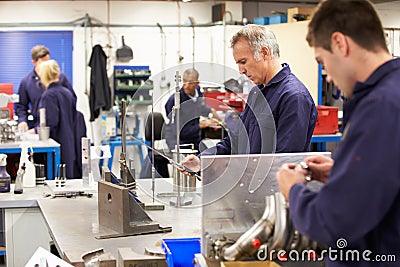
357,209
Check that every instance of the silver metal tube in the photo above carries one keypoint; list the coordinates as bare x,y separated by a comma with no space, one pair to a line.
153,169
177,124
261,231
123,127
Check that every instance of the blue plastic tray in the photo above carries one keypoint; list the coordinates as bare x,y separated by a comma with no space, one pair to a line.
180,252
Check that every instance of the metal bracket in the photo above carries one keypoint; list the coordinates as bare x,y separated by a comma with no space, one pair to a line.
120,212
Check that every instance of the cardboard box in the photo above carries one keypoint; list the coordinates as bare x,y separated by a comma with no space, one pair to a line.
308,12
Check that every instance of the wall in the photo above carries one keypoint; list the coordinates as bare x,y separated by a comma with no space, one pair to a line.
138,23
291,40
264,9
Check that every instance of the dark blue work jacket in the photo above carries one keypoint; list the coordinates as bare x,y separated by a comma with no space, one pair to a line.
30,90
190,112
279,117
360,202
67,126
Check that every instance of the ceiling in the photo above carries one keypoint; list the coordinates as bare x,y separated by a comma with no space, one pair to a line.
310,2
270,1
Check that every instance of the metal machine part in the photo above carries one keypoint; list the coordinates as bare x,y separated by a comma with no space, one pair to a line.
258,234
127,175
8,129
68,194
309,173
283,226
232,189
187,182
274,229
98,258
121,210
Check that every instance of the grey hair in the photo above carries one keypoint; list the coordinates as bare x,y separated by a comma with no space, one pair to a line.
258,36
191,72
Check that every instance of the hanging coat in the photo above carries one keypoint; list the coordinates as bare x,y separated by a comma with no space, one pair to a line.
100,92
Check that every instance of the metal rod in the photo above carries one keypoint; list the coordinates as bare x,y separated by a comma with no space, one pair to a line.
123,127
171,161
177,124
153,169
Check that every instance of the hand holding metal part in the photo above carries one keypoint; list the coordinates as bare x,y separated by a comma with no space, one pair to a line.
304,166
180,167
290,174
320,166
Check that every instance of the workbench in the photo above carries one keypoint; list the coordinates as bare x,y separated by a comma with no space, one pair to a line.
74,224
25,228
50,147
322,139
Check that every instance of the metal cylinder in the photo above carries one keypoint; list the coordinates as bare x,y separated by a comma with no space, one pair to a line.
187,183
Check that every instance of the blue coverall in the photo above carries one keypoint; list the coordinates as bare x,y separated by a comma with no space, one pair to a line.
67,126
30,90
358,208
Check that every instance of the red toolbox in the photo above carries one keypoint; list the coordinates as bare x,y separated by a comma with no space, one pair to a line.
8,88
327,121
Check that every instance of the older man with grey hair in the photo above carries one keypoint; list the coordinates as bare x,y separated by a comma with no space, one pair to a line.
280,114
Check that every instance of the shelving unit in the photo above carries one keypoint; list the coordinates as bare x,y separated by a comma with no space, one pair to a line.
132,84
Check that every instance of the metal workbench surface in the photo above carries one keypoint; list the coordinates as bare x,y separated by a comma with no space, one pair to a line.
27,199
35,143
74,224
49,146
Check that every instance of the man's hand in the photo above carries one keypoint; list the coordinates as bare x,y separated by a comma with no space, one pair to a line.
192,162
289,175
215,114
320,167
207,123
23,126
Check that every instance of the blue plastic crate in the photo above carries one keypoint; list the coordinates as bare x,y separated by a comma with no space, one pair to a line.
261,20
276,19
179,252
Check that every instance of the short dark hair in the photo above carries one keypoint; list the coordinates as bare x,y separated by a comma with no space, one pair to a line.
356,19
39,51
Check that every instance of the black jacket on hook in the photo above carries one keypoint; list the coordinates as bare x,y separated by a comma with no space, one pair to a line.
100,92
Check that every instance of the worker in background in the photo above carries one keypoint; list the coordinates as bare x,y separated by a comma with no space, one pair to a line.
280,114
67,125
30,90
358,207
192,107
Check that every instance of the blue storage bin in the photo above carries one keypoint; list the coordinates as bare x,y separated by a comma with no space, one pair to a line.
276,19
261,20
179,252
